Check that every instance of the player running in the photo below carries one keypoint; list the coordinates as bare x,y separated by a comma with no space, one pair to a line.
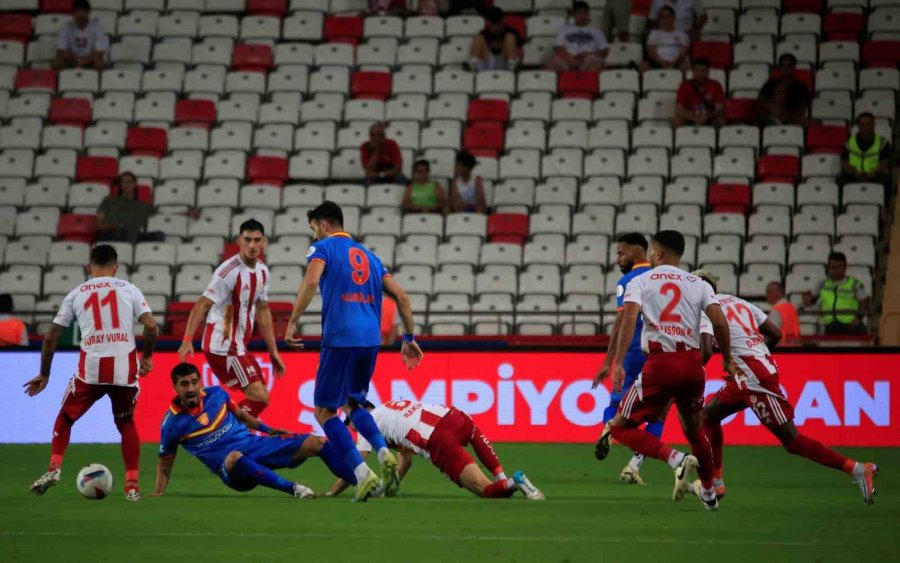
756,386
441,434
237,294
671,301
105,308
631,256
212,428
351,280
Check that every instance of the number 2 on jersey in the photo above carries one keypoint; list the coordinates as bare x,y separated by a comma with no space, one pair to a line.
667,316
94,303
360,264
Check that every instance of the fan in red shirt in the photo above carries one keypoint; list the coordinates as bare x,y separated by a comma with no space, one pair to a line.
700,100
381,158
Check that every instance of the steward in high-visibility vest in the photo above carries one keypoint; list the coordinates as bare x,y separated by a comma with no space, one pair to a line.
866,161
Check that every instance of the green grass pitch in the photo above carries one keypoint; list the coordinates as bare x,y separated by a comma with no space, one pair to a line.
778,508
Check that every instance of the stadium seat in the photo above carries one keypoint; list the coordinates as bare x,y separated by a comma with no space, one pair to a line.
81,228
717,52
195,113
347,29
16,27
507,227
147,141
484,136
35,80
578,84
371,85
778,168
488,110
70,111
740,110
877,54
252,57
268,170
96,169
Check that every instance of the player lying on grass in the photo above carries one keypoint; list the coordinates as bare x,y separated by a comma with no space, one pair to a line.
211,427
756,385
441,434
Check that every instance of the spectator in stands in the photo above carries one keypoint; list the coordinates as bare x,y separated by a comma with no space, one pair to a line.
842,299
467,189
381,158
498,46
423,195
867,156
690,17
616,16
390,323
700,100
784,99
122,216
667,47
388,8
13,331
578,45
783,314
81,42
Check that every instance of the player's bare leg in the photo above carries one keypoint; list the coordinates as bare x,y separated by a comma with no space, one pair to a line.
701,460
713,414
256,398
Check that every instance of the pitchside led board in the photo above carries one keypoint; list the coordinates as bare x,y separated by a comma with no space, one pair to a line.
847,399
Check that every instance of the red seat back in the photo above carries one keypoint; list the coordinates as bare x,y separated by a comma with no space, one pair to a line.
97,169
641,7
507,227
151,141
347,27
778,168
802,6
488,110
70,111
718,53
281,314
81,228
371,85
277,8
740,110
484,135
15,27
879,54
252,57
198,113
729,198
517,22
844,26
176,319
36,79
579,84
270,170
56,6
826,138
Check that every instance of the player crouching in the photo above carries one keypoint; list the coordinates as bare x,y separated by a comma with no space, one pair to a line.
441,434
211,427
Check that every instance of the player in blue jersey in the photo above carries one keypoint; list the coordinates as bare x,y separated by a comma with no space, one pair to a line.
212,428
631,256
351,280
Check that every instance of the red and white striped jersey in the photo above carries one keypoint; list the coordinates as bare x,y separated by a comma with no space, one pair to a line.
106,310
407,424
748,346
234,290
671,301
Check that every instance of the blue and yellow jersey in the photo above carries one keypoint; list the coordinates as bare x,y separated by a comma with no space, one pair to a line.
209,431
351,288
638,269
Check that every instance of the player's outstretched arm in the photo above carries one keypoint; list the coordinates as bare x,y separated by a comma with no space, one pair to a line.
723,336
163,473
198,313
410,352
304,297
149,343
630,313
267,329
404,463
48,349
254,423
610,351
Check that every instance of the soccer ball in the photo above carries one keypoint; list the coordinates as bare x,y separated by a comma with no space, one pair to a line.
94,481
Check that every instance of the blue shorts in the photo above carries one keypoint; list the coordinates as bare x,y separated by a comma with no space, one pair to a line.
343,373
633,364
274,452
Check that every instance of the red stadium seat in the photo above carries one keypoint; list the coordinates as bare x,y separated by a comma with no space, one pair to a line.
15,27
151,141
783,168
507,227
103,169
488,110
879,54
371,85
281,314
195,113
33,80
729,198
344,27
270,170
252,57
802,6
579,84
485,136
277,8
70,111
177,317
81,228
844,26
717,52
641,7
826,138
740,110
517,22
56,6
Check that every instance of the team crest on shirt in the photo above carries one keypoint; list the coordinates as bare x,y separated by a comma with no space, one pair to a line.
619,290
311,251
203,419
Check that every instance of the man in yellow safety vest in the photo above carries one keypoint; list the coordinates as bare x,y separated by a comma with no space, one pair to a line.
842,299
866,156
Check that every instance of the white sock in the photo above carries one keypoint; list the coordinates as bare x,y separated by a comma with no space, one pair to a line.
381,454
361,471
859,470
510,484
500,476
675,459
636,461
707,494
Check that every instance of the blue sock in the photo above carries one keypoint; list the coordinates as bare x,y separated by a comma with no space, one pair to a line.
610,412
246,468
335,462
655,428
365,425
342,441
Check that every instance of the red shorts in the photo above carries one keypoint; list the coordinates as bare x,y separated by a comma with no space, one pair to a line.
447,444
770,406
235,372
666,377
80,396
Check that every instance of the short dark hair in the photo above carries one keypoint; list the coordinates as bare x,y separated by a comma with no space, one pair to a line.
6,303
81,5
787,57
709,281
669,9
104,255
183,370
580,6
126,173
701,61
494,14
327,211
837,257
778,284
672,241
865,114
422,162
466,159
252,225
636,239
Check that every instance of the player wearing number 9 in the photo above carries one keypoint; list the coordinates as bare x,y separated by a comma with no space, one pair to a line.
351,280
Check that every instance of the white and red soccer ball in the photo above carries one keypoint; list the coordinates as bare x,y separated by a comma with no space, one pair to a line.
94,481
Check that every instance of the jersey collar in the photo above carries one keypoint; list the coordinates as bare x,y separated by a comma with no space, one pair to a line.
341,234
641,265
176,408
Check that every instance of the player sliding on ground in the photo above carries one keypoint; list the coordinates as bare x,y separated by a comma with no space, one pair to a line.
671,301
105,308
441,434
351,280
212,428
237,294
755,385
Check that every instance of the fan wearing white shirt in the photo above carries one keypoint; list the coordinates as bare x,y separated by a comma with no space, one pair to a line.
578,46
667,47
81,42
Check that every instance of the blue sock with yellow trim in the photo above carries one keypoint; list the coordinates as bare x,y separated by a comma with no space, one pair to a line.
247,469
342,441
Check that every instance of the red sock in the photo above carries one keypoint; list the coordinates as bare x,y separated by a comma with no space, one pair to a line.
702,450
820,453
62,431
641,442
714,433
253,407
131,451
498,489
485,452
